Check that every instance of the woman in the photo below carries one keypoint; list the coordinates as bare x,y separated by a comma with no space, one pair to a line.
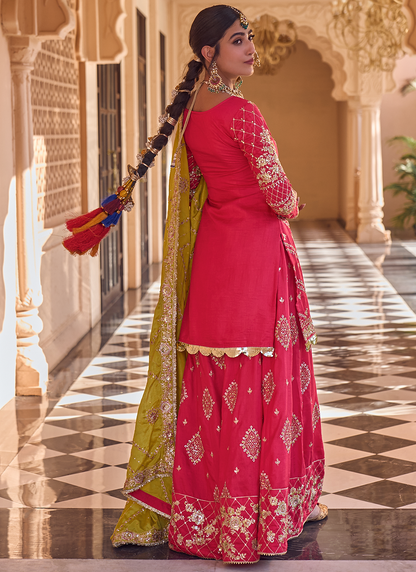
238,469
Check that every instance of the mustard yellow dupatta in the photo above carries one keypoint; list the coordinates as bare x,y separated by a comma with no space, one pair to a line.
145,518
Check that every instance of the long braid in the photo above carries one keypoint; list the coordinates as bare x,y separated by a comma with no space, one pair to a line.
173,112
207,29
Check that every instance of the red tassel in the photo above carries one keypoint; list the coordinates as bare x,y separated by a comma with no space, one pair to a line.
82,219
87,240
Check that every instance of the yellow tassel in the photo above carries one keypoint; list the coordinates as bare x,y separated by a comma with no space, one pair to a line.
96,220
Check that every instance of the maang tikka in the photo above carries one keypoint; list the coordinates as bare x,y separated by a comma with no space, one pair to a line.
243,19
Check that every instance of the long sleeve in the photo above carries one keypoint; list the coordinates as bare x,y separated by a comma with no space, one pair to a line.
253,136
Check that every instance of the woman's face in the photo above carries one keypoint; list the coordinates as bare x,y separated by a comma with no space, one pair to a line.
236,55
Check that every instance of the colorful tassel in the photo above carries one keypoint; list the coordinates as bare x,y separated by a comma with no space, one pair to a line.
82,220
86,241
88,230
112,220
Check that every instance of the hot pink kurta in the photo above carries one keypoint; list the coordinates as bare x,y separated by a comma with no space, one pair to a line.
232,297
249,455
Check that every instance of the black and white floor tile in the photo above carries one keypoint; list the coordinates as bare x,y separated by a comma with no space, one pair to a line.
365,366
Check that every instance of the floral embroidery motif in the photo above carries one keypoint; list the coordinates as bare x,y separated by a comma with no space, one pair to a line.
268,387
152,415
253,136
265,481
197,517
216,494
234,529
194,174
308,330
291,431
316,415
225,493
219,361
184,394
283,332
251,444
207,403
291,249
294,332
239,521
300,285
294,498
230,396
305,376
195,449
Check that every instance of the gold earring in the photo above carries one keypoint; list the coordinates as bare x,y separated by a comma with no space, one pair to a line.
215,81
257,61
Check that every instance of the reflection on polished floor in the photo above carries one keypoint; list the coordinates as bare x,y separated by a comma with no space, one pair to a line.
60,480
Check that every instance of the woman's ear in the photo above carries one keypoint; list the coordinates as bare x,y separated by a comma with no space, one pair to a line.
208,53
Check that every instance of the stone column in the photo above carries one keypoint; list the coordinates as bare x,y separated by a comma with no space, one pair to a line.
31,365
353,160
371,201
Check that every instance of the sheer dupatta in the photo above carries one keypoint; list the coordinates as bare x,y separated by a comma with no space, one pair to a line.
148,485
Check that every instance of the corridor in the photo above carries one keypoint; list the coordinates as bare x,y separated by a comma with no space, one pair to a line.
60,481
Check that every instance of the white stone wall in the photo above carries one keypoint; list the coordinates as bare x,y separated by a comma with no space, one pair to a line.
7,234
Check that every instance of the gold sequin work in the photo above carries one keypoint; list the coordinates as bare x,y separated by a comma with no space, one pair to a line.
184,393
283,332
294,332
219,361
254,138
230,396
195,449
291,431
221,352
305,376
207,403
268,387
251,444
152,415
316,415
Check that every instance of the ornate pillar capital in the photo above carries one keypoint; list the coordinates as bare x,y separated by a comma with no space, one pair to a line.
46,20
23,51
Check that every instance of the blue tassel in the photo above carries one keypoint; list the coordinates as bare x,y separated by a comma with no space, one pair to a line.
112,219
108,200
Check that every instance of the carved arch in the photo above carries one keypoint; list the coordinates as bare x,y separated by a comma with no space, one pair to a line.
36,18
310,20
332,58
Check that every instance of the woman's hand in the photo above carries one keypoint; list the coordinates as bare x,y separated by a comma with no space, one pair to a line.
301,206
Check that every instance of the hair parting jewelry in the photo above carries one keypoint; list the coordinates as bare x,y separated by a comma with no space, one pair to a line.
243,19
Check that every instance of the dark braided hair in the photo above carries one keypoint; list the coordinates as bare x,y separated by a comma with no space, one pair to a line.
207,29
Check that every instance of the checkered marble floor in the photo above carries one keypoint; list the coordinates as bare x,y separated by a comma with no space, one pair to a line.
365,364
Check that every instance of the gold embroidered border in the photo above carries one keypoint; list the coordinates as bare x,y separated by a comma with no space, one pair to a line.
151,538
230,352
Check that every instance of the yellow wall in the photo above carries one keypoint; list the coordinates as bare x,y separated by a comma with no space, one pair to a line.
303,118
